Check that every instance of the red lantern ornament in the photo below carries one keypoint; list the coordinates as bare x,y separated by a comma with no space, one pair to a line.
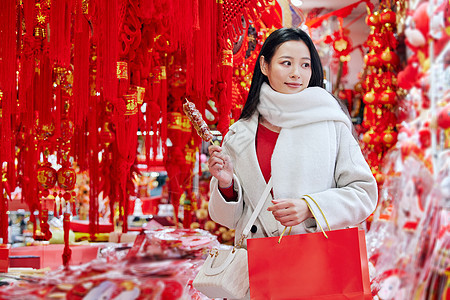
389,138
66,178
44,131
106,135
389,57
67,129
372,59
373,20
388,18
372,139
46,176
370,98
388,97
387,79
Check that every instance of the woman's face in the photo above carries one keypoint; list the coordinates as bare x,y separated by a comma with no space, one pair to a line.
289,71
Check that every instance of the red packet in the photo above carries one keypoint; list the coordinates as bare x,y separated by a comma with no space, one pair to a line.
136,246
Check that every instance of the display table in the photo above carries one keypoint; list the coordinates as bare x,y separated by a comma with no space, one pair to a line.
50,256
160,264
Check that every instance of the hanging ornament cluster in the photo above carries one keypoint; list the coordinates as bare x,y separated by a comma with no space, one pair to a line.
245,53
342,47
380,87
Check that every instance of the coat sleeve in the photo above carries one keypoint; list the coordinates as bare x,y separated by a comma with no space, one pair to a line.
221,211
355,196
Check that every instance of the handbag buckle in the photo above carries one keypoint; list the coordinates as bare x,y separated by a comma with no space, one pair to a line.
241,240
214,252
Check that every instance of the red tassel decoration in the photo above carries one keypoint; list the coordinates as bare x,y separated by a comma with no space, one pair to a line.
163,106
7,77
60,32
45,228
93,169
81,72
108,44
67,253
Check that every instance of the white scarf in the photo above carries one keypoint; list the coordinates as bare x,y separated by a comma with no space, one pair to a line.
296,141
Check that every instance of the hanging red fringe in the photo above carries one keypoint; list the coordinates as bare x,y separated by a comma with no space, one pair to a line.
93,168
60,21
45,228
43,91
108,44
67,252
81,71
163,106
3,214
7,76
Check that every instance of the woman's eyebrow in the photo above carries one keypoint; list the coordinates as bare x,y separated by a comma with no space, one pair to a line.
286,56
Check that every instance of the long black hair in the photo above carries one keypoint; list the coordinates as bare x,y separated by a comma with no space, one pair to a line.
272,43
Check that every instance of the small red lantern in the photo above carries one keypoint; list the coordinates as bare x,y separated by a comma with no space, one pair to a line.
388,18
67,129
373,19
388,97
389,57
372,59
370,98
106,135
389,138
46,176
371,138
44,131
67,178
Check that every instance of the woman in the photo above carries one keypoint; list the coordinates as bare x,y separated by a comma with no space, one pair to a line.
292,129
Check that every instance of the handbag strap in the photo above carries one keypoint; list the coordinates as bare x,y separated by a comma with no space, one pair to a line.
255,213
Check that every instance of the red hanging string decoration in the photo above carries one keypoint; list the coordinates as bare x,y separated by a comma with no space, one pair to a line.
341,13
60,21
81,67
7,101
67,252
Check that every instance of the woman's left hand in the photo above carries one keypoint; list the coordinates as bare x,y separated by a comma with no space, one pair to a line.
290,212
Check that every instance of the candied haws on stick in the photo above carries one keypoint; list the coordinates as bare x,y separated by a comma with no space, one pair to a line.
197,121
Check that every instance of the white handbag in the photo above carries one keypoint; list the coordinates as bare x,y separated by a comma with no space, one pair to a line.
224,273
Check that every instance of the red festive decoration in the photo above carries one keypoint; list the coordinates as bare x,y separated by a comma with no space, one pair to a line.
66,178
380,85
46,176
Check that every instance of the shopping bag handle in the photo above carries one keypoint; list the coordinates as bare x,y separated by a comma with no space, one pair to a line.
320,209
323,231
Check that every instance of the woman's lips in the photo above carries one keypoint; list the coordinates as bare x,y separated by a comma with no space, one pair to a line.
293,85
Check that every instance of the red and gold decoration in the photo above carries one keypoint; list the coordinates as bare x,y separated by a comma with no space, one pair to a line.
380,87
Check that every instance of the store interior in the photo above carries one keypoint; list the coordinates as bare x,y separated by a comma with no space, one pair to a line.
105,182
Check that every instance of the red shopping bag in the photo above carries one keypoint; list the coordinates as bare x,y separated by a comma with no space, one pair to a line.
310,266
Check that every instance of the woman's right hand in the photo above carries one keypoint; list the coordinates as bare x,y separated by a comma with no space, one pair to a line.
220,166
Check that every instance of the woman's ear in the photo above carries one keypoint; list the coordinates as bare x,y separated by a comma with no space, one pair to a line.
263,64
